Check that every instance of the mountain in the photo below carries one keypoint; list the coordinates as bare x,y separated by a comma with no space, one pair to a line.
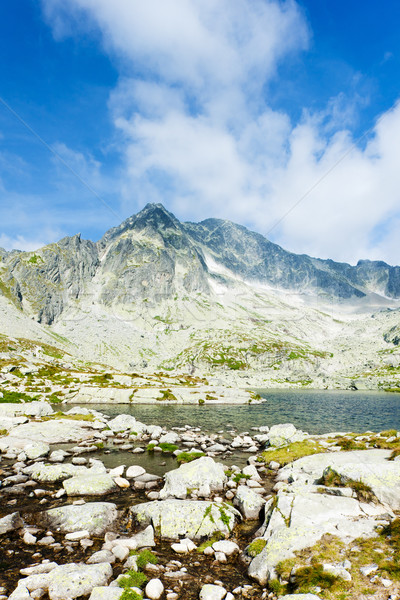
157,293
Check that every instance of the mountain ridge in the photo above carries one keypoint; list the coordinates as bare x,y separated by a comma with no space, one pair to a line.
209,297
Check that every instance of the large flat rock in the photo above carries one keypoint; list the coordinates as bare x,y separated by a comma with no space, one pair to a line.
95,517
372,467
51,432
302,517
200,473
173,519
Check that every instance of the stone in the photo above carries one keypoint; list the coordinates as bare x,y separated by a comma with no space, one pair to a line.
120,552
10,523
154,589
281,434
302,517
226,546
95,517
368,569
29,539
101,556
122,423
134,471
212,592
20,593
77,535
369,466
53,473
121,482
36,450
89,485
39,569
106,593
299,597
248,502
74,580
337,571
185,545
252,472
142,539
194,519
193,475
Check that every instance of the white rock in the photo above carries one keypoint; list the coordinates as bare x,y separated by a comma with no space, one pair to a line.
95,517
77,535
10,522
212,592
121,482
106,593
226,546
368,569
154,589
29,539
134,471
117,471
120,552
220,557
74,580
248,502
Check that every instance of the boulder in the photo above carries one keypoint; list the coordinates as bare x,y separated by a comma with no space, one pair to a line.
55,431
372,467
97,484
96,517
122,423
212,592
36,450
74,580
248,502
53,473
301,518
134,471
173,519
10,522
154,589
192,476
284,433
142,539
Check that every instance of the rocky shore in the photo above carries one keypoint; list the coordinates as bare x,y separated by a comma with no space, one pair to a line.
308,517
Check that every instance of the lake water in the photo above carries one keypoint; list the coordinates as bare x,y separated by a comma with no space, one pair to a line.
313,411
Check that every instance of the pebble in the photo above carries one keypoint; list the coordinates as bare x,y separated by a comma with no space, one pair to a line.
29,538
154,589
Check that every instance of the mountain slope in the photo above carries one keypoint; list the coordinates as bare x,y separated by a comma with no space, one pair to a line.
211,297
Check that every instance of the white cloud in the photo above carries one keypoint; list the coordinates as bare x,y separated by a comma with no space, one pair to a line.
197,132
21,243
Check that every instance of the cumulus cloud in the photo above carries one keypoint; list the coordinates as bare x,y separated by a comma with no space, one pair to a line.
198,133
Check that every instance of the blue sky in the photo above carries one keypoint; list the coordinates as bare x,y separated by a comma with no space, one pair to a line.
281,116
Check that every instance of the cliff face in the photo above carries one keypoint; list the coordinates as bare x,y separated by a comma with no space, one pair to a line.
153,257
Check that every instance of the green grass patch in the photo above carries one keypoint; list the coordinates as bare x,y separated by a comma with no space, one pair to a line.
186,457
331,478
128,594
133,579
3,432
166,447
292,452
216,537
166,395
16,397
307,578
145,557
256,547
